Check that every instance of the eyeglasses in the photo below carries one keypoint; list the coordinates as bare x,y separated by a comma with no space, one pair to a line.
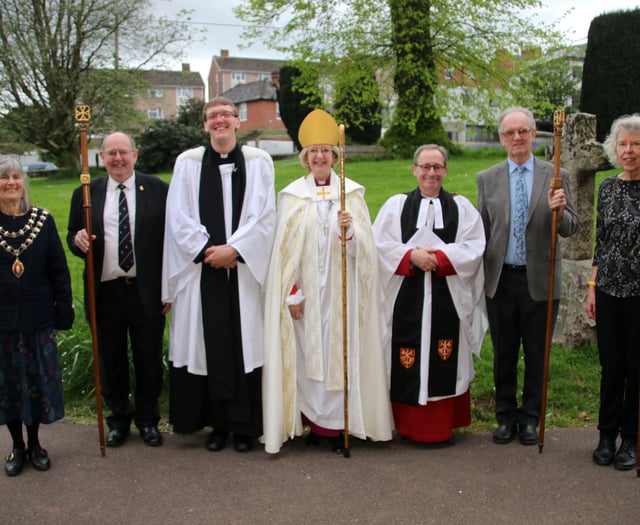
113,153
323,151
224,115
512,132
437,168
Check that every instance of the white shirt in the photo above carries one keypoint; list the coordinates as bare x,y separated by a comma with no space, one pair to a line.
110,267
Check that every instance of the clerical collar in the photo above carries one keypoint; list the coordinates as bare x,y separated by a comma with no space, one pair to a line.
433,197
326,182
224,158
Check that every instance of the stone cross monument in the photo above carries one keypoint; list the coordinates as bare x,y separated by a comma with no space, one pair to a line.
582,156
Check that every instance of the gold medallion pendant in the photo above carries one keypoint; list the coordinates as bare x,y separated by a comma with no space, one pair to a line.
31,231
17,268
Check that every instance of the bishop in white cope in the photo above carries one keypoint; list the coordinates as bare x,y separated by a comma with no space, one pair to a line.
303,370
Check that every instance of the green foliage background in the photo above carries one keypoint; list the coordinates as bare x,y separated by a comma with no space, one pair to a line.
610,76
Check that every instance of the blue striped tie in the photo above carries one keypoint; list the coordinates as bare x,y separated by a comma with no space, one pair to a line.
521,211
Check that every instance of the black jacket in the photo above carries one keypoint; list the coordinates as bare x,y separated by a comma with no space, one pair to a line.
151,195
41,298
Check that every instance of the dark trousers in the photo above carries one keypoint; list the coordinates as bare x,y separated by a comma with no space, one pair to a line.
618,346
515,319
191,407
121,316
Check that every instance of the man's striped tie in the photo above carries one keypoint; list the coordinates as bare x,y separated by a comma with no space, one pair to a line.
125,247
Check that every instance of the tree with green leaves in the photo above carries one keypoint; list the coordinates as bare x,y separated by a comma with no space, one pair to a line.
415,42
163,140
610,76
549,83
357,100
58,53
297,95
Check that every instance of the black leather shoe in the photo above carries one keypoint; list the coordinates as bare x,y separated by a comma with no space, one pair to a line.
151,436
625,458
504,434
603,455
337,444
216,441
116,437
15,462
242,443
528,435
39,458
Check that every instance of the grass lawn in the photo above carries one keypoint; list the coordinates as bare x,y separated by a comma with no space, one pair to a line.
574,374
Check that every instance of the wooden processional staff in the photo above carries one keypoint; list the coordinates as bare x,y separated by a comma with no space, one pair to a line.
345,329
556,183
83,116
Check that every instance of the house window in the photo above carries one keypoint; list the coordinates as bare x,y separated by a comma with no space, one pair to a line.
242,109
278,111
155,113
182,95
264,76
237,77
155,93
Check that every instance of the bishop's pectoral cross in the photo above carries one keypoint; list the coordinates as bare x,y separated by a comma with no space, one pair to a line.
323,193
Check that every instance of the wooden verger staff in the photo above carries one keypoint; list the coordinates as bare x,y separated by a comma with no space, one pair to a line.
556,183
83,116
345,355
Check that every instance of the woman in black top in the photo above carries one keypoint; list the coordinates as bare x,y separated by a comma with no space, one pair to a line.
35,301
614,290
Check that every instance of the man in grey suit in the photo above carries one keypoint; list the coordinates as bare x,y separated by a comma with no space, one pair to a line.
516,203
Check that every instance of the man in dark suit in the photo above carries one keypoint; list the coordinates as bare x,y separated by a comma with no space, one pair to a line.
127,216
516,205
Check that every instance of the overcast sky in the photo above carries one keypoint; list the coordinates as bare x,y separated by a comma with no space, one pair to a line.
223,29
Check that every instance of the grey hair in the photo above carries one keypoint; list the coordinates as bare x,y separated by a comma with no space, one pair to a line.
623,123
426,147
9,164
516,109
304,160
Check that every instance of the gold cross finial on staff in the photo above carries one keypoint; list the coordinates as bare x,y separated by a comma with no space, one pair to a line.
558,119
83,116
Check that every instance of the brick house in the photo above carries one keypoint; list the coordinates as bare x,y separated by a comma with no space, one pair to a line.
169,90
227,72
260,123
257,105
